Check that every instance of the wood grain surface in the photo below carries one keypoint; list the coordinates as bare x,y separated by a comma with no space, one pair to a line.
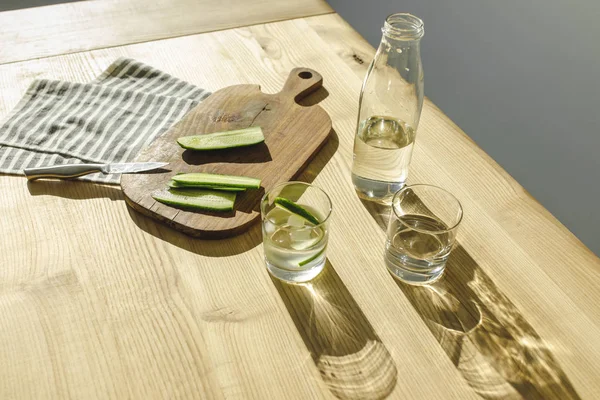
294,133
97,301
87,25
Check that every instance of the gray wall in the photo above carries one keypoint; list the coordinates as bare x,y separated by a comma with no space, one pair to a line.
521,78
6,5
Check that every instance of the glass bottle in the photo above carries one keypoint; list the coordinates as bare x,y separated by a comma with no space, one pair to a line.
389,110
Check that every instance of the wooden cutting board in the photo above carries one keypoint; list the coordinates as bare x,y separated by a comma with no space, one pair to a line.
293,136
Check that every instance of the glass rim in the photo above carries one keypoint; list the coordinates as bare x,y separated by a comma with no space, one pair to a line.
425,185
413,29
310,185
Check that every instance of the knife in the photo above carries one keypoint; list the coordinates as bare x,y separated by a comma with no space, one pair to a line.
71,171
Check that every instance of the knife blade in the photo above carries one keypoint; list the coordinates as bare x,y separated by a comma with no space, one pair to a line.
128,168
71,171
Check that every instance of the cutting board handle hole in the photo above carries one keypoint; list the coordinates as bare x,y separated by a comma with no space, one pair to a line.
301,82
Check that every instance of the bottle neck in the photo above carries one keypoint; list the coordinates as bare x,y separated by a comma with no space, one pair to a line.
402,27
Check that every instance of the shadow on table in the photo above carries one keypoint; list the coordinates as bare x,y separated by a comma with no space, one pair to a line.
352,360
210,248
316,165
314,98
498,353
76,190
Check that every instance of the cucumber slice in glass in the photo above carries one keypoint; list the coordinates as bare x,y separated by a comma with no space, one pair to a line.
294,208
303,263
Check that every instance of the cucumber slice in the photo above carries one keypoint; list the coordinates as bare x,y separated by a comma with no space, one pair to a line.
303,263
294,208
223,140
203,179
196,199
175,185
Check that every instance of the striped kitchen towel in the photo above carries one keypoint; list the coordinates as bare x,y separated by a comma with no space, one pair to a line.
108,120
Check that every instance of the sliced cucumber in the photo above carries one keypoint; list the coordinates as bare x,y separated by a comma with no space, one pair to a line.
176,185
223,140
313,258
294,208
200,199
202,179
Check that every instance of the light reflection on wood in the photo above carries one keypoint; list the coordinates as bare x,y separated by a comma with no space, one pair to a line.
498,353
352,360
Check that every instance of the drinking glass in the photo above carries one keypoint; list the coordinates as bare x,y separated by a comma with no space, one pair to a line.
295,219
421,233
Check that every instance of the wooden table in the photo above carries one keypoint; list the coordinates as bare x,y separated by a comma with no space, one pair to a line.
97,301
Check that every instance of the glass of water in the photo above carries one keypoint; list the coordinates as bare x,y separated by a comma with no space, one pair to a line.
421,233
295,219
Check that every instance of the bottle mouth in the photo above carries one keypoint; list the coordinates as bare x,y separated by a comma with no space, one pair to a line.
403,26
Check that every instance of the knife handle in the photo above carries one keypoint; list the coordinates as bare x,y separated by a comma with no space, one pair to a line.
68,171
